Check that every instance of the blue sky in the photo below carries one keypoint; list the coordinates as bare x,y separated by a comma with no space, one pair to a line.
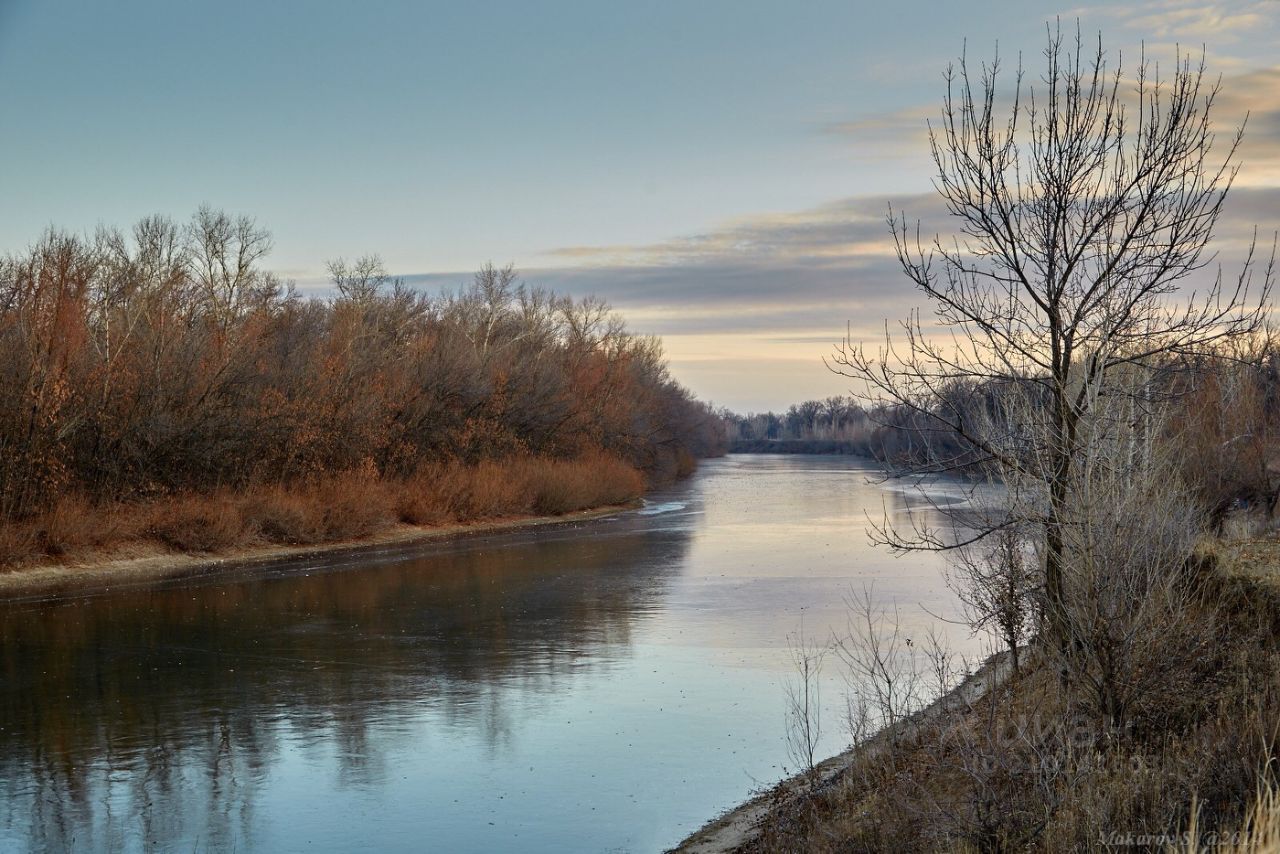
718,170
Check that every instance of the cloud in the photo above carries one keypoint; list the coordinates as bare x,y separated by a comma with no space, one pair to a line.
1254,96
722,296
898,134
791,278
844,229
1186,20
748,310
1250,98
802,273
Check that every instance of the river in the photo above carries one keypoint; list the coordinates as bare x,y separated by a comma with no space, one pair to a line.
599,686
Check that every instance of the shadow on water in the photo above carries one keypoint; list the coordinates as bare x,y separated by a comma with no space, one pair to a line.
152,717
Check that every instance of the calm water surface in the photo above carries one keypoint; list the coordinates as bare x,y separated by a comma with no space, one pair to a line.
606,686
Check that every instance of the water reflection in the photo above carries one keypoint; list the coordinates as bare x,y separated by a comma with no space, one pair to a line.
607,686
169,705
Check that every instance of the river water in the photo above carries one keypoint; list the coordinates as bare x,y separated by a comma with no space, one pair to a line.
600,686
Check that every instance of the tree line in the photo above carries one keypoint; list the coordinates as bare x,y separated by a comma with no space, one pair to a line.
166,360
1220,425
836,418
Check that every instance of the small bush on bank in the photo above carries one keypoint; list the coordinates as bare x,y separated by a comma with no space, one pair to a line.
284,516
418,504
73,524
353,505
493,489
199,524
18,545
578,484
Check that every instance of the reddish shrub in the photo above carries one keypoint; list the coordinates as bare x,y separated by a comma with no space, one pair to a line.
354,504
284,516
198,524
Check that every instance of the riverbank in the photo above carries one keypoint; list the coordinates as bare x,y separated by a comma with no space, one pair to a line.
800,446
333,508
742,826
146,563
1032,763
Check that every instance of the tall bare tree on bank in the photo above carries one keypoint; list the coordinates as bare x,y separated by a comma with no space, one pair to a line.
1086,204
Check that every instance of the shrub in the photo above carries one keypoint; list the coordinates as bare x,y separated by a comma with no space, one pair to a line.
563,486
198,524
73,523
18,544
418,504
353,505
494,489
285,516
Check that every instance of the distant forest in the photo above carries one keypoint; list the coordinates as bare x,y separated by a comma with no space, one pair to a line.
834,425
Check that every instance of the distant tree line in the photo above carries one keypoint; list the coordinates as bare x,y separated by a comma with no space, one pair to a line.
835,424
1224,430
166,359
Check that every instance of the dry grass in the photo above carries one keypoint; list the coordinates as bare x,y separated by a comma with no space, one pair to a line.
347,506
1257,560
1029,768
453,492
1259,833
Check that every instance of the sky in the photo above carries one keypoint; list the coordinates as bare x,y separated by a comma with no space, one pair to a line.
719,171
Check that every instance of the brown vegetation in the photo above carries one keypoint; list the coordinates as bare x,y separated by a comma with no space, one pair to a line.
328,508
161,384
1028,766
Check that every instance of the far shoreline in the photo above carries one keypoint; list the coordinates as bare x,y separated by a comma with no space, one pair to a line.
150,564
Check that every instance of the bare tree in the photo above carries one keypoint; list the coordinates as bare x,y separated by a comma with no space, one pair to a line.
361,280
804,701
224,252
1129,605
1085,209
998,581
886,679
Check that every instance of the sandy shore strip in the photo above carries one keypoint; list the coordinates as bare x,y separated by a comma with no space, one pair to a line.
741,825
143,563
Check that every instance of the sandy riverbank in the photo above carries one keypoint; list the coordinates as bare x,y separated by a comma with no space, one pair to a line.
146,562
741,825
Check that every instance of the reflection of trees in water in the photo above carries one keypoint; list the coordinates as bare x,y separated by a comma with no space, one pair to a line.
201,785
154,715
